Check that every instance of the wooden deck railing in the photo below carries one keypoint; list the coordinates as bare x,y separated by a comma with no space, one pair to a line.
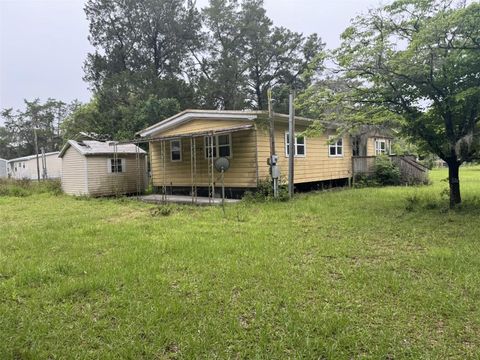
411,171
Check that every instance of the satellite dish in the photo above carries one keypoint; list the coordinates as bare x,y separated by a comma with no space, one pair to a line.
222,164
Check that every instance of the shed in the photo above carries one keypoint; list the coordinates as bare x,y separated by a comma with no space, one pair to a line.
49,166
98,168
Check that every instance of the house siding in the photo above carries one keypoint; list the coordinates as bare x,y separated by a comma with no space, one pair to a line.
53,164
73,173
3,168
103,183
317,165
243,162
371,144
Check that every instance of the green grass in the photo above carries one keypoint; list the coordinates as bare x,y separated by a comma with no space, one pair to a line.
382,273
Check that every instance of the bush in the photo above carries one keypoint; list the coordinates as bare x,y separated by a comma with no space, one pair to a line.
22,188
363,181
264,192
386,172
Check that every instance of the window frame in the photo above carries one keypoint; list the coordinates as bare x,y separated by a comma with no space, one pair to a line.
171,151
122,164
336,146
287,144
216,147
381,141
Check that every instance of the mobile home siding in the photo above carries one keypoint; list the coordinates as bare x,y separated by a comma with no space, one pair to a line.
101,182
243,162
317,165
3,168
27,168
73,173
371,144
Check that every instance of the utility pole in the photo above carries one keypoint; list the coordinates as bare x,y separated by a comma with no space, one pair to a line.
291,147
44,164
274,171
36,151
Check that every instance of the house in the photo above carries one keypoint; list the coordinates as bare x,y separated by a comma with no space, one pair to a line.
49,167
184,147
3,168
97,168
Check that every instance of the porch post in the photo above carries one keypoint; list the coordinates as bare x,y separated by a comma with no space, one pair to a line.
291,153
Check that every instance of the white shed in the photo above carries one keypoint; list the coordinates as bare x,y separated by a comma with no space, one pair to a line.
49,164
98,168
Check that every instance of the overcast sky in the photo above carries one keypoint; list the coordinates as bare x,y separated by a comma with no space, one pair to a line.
43,43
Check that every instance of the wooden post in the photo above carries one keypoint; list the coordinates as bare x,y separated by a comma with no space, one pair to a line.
291,147
352,184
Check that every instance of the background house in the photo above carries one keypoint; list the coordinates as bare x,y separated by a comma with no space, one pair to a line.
3,168
183,146
98,168
26,167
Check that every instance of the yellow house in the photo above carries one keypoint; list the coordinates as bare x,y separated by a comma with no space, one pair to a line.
184,147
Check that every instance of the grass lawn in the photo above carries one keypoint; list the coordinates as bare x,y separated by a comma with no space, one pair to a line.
383,273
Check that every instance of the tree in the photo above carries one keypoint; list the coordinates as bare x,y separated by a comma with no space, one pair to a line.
142,49
46,118
246,55
88,118
420,59
221,78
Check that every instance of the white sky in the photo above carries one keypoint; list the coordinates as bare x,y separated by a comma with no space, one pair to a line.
43,43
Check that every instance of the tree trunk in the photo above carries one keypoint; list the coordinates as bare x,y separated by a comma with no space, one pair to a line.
454,182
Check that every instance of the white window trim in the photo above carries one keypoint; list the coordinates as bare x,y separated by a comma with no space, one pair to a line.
295,145
171,151
335,144
378,150
217,147
109,166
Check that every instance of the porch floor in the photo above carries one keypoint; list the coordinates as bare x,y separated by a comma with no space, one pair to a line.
183,199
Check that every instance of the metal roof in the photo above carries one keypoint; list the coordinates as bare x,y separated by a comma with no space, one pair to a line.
91,147
199,133
30,157
188,115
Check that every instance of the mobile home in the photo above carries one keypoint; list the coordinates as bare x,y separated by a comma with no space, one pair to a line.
183,146
49,167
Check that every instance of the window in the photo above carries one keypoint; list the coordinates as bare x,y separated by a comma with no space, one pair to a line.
176,150
116,166
300,145
381,147
335,147
222,146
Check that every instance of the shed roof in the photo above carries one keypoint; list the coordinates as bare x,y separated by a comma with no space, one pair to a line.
92,147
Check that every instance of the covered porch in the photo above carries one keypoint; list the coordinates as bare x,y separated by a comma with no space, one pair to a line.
183,163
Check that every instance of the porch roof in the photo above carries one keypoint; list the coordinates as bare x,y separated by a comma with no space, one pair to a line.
202,133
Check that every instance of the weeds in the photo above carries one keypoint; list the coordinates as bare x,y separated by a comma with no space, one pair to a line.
264,192
23,188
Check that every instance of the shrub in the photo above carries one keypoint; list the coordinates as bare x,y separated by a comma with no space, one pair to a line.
264,192
386,172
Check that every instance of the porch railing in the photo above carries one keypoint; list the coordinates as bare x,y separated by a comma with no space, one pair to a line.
411,171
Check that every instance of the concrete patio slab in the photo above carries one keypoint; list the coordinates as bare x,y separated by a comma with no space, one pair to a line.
183,199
